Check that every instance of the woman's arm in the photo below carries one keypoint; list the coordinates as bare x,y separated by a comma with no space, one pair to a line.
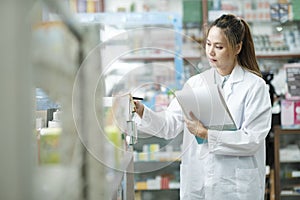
166,124
255,127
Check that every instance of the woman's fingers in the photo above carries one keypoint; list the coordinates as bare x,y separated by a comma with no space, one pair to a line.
193,116
195,126
139,108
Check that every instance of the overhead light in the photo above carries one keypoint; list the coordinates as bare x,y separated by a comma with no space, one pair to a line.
279,28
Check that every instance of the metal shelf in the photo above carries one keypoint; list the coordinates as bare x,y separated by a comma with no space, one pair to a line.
278,54
150,165
279,182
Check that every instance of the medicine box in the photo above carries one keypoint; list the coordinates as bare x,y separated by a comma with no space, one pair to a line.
290,114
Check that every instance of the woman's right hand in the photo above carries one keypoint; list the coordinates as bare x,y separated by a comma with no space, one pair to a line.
139,108
196,127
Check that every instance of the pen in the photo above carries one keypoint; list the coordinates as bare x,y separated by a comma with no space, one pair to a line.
137,98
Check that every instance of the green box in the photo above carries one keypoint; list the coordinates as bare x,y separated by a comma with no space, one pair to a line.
296,9
192,11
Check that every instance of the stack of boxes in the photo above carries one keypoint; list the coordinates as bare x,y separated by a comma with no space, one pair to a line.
257,11
290,106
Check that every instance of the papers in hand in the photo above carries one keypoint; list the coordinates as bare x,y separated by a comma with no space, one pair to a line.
208,105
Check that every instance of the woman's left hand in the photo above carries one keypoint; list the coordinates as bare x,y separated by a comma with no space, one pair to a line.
196,127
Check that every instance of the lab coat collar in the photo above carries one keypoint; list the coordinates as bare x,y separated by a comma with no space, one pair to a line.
236,75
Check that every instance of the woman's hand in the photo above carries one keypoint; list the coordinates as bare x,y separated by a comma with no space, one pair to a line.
139,108
196,127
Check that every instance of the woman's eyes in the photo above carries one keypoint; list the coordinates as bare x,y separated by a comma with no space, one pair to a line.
218,47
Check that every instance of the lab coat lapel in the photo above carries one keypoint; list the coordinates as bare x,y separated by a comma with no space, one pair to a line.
237,75
227,90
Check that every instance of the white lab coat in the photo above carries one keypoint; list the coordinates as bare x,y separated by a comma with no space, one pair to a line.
231,166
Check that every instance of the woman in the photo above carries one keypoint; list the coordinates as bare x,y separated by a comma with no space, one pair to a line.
234,166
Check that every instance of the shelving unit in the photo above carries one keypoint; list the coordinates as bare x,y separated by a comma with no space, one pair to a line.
138,30
161,169
68,74
151,169
285,165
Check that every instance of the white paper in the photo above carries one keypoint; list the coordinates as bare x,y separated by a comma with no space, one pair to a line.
208,105
121,110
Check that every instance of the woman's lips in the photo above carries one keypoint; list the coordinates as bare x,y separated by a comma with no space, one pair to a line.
212,60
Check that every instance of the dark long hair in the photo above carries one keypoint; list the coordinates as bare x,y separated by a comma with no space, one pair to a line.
237,30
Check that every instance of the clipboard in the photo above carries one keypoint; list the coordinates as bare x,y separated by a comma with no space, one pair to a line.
208,105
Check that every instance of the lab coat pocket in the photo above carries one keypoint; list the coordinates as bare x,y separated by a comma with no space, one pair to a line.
223,188
248,184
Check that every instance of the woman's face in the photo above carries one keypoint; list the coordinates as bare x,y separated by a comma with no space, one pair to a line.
218,51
